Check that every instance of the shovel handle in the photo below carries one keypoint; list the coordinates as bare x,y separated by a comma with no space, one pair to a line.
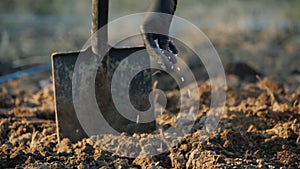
99,21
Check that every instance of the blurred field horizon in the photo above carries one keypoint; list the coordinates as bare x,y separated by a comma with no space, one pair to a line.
31,30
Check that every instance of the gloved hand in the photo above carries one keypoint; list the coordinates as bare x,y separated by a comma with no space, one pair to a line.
156,27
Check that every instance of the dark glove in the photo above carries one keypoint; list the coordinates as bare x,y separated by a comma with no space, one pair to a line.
156,27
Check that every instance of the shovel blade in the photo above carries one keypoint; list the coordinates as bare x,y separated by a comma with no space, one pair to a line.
62,70
67,122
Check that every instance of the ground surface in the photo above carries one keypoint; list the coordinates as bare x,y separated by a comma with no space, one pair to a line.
260,126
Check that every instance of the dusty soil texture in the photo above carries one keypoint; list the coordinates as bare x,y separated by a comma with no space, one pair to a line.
260,128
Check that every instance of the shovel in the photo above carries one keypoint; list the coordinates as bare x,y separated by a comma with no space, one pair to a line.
63,65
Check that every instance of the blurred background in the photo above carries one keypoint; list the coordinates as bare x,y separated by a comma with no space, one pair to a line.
263,34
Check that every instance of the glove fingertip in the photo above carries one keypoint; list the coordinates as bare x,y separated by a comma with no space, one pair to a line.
173,47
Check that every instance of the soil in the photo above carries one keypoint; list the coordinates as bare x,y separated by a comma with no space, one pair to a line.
260,128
